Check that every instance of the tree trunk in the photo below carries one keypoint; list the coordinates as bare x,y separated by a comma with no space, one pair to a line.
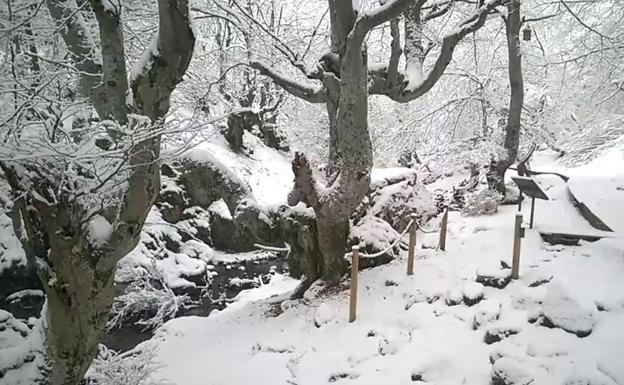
76,314
76,272
498,168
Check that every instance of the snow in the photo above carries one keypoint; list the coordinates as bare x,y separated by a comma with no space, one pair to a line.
267,171
99,230
421,327
11,251
407,330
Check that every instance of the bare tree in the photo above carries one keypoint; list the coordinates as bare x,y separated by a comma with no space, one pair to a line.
342,80
83,200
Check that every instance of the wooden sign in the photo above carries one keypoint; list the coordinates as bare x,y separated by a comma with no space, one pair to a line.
529,187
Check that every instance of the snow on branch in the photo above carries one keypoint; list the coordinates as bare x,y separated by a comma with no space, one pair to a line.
389,10
310,93
407,91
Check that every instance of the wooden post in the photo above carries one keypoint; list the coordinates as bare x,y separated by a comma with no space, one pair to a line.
355,265
515,265
443,225
412,245
532,212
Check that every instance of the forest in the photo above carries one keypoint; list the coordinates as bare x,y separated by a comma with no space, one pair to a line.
305,192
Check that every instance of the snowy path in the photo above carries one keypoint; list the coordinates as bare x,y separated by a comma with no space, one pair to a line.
407,331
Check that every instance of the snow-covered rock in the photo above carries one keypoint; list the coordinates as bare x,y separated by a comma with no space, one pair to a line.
508,371
395,195
472,293
494,278
561,311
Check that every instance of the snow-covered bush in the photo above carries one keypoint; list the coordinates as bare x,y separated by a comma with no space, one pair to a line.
484,202
147,300
129,368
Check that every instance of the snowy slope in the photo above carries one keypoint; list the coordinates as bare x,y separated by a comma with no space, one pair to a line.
560,323
406,328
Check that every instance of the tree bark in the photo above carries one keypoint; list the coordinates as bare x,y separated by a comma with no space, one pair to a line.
498,167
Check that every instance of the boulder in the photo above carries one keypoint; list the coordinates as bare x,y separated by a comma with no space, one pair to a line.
373,235
560,311
472,293
498,278
393,199
206,180
496,334
508,371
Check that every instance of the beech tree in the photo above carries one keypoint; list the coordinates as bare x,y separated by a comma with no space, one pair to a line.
343,81
83,185
498,168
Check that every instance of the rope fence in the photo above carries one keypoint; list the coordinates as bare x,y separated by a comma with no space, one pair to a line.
413,226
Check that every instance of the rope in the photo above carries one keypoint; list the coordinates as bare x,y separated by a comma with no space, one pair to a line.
362,255
428,231
273,248
396,242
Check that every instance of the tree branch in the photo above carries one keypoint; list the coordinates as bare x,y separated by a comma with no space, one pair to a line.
74,32
114,74
310,93
407,92
380,15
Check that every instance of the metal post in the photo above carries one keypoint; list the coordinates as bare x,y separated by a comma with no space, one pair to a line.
520,201
443,225
517,243
412,245
532,212
355,264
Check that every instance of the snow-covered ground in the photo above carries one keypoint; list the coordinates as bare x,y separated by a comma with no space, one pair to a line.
399,334
560,323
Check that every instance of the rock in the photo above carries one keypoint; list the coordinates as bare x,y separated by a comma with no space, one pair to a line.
498,279
389,346
172,200
497,334
228,236
537,276
394,199
487,311
17,281
25,303
373,235
508,371
324,314
417,297
453,297
561,311
472,293
273,137
342,376
206,180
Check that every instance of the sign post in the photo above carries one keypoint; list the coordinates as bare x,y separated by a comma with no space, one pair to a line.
530,188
